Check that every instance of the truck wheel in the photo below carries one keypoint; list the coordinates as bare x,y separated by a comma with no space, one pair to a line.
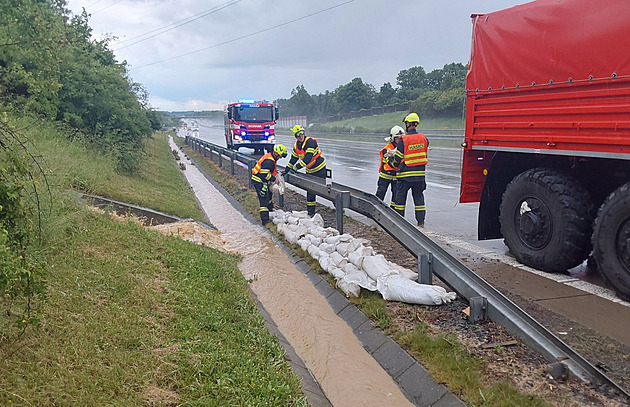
545,220
611,240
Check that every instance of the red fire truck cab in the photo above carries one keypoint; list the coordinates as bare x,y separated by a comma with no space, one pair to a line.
547,142
249,123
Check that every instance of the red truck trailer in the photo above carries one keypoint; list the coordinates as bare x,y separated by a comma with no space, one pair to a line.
250,123
547,142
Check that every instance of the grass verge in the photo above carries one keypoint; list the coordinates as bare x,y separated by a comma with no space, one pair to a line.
383,122
132,317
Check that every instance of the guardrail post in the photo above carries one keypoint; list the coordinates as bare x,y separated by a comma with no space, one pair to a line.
232,162
205,149
342,199
478,308
425,269
220,159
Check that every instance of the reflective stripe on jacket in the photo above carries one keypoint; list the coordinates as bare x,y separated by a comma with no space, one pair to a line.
265,169
411,156
307,154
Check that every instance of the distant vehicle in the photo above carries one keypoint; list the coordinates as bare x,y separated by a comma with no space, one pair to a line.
251,124
547,143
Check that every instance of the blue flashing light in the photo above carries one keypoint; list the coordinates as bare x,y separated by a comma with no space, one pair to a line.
247,101
243,133
266,133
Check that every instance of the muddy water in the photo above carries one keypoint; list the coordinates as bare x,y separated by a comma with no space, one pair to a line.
349,376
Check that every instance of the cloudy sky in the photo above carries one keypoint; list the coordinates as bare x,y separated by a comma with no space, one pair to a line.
199,54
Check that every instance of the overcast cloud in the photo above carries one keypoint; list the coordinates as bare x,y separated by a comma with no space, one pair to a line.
283,43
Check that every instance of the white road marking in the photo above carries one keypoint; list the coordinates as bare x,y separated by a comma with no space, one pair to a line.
433,184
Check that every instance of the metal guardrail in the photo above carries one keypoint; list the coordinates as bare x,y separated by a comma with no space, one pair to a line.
460,278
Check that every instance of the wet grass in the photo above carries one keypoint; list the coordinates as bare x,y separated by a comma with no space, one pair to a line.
132,317
137,318
449,362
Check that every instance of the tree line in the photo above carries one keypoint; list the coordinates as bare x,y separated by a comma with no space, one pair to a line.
439,93
51,68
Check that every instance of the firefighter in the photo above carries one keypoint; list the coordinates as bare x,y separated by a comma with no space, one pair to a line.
264,174
411,159
306,153
387,173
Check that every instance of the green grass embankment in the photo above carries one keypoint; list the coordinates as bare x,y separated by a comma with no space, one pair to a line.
383,123
132,317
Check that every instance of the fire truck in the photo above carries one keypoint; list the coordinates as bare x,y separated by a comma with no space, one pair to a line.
547,140
249,123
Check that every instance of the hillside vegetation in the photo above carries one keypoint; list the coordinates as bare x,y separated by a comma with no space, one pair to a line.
96,311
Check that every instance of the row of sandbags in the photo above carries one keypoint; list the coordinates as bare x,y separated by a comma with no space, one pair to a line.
353,262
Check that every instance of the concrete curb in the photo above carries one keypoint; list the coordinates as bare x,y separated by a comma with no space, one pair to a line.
412,378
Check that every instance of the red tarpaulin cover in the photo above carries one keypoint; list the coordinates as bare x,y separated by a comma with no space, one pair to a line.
550,40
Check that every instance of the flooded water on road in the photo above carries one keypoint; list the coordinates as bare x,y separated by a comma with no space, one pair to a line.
348,375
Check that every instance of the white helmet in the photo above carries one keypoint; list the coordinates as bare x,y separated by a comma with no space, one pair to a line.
396,131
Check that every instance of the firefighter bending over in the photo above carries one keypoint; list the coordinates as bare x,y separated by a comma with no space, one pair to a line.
387,173
306,153
264,174
411,160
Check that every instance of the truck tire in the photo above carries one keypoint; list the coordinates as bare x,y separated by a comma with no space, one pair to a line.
545,220
611,240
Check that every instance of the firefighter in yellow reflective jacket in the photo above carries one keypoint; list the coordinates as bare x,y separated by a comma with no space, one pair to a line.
306,153
411,160
387,173
264,174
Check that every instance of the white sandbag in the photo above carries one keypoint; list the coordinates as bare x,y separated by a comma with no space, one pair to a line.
361,279
314,240
291,236
345,238
324,262
281,227
282,186
313,251
337,259
375,266
334,240
277,220
318,220
301,214
350,268
410,274
356,243
307,222
356,259
367,251
291,220
328,248
396,287
336,272
349,289
277,214
301,231
342,248
304,243
331,231
318,231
